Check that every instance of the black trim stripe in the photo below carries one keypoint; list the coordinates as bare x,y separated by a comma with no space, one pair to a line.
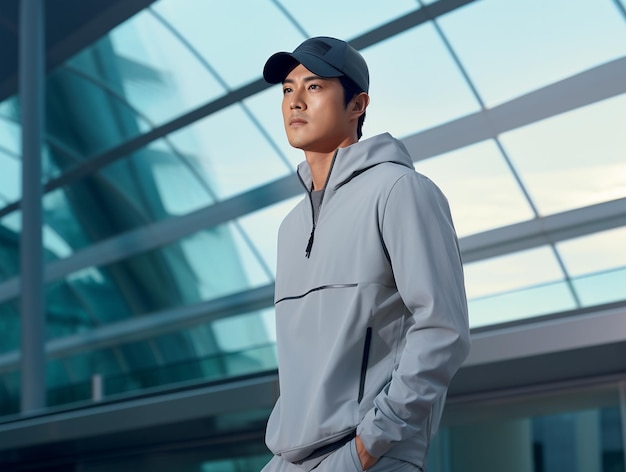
364,362
316,289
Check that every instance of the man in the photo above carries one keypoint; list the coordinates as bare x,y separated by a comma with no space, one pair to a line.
371,314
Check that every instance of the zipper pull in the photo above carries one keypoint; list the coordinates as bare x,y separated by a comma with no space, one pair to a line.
309,245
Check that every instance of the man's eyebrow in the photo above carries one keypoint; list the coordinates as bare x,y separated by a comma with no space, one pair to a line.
306,79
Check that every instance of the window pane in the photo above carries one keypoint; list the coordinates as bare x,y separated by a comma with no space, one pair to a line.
235,45
512,48
420,91
149,66
231,165
575,159
515,286
597,264
480,188
262,228
319,21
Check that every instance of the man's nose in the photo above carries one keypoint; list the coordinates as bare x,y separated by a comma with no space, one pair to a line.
296,101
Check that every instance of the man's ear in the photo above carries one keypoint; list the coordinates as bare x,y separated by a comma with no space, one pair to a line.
360,103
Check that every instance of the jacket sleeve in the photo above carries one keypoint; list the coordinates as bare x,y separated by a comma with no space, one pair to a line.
418,233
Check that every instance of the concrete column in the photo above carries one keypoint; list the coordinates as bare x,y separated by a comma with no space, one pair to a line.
588,445
31,90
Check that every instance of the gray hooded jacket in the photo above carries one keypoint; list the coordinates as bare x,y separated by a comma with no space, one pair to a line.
372,325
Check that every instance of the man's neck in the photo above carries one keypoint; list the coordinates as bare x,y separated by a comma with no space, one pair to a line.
319,163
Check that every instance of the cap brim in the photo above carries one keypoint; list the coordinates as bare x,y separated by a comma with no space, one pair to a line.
279,65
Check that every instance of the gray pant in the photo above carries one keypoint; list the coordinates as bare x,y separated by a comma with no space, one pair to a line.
344,459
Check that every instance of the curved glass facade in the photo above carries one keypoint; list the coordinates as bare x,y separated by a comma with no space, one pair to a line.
168,174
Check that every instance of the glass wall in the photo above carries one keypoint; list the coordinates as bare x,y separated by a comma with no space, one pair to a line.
579,431
162,247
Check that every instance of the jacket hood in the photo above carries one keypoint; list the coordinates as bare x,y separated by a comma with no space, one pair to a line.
358,157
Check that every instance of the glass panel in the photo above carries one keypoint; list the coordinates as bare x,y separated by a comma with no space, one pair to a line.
237,333
154,183
9,326
10,177
575,159
318,21
511,48
65,314
262,228
423,90
178,179
102,362
516,285
231,165
215,30
266,107
10,393
84,119
480,188
9,247
158,181
102,293
583,440
520,304
148,65
59,209
221,264
8,109
10,137
595,253
598,265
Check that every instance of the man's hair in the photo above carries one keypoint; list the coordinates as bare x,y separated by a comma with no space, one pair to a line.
350,90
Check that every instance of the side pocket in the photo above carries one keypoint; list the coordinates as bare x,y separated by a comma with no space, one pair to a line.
366,355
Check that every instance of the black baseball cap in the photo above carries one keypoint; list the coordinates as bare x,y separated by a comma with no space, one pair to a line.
324,56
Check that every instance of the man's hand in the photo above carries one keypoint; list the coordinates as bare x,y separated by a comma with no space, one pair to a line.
366,459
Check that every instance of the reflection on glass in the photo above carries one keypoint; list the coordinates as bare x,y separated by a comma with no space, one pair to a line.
85,119
582,440
10,385
480,188
422,90
159,181
575,159
511,48
105,301
151,68
219,263
64,213
9,326
10,137
10,177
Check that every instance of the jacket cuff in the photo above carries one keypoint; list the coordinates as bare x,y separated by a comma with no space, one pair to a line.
376,441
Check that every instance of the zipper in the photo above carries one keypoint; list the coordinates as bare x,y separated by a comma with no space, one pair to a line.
366,355
309,245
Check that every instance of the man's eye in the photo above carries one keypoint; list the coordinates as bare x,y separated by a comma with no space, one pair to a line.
314,86
286,90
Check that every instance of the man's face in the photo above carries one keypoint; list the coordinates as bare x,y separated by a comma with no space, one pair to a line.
314,113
